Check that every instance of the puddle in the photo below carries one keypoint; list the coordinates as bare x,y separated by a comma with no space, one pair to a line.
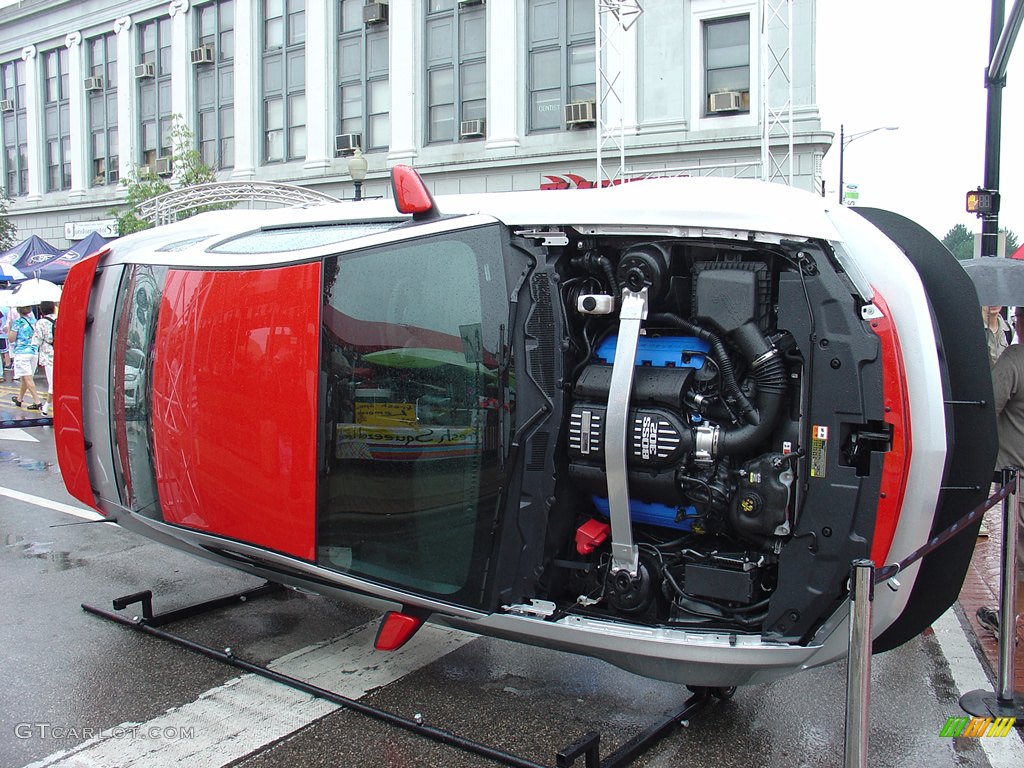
32,465
56,560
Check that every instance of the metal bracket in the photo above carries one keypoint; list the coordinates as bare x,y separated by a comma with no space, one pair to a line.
546,238
625,555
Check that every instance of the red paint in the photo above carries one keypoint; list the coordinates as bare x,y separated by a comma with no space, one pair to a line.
897,413
234,404
395,630
68,372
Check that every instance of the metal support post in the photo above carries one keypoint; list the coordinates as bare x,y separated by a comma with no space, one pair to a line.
1004,702
858,671
625,555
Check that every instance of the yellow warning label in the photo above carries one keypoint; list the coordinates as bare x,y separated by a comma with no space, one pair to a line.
819,448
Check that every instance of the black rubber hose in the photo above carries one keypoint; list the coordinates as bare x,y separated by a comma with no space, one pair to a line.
726,370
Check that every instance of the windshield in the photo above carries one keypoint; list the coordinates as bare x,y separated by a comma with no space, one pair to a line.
412,406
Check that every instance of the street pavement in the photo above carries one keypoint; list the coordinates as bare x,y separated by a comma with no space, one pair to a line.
76,690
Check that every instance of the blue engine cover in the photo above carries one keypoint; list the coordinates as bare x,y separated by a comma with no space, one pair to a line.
652,513
657,351
660,351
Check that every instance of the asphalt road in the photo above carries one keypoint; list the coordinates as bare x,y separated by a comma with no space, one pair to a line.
76,690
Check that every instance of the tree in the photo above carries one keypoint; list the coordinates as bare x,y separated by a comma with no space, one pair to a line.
960,242
8,231
189,171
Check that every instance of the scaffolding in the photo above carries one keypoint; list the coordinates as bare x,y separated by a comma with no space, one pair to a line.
613,21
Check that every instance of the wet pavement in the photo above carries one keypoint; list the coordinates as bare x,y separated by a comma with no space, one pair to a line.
65,669
981,588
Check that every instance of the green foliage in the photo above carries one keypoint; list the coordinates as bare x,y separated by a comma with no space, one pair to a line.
189,171
8,231
960,242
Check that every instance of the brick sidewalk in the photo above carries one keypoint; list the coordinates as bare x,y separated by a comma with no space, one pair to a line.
981,587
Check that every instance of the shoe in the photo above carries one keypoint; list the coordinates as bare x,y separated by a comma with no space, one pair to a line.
16,401
36,407
989,619
983,531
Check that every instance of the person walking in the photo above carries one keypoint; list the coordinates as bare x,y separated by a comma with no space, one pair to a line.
44,340
996,331
26,357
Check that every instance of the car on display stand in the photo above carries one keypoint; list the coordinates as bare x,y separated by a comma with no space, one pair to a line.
653,423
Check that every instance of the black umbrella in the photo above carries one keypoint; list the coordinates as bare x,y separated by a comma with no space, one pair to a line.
999,282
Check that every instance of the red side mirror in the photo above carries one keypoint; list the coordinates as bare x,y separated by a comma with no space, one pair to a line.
411,194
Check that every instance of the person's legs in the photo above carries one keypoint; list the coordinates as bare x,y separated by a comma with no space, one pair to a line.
24,369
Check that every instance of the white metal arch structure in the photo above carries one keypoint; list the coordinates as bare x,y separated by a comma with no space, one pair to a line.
165,208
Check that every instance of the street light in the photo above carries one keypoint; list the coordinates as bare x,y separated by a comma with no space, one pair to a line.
844,140
357,170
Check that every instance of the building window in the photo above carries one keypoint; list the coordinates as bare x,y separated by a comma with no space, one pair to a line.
15,128
284,80
456,85
213,67
364,92
153,81
727,65
101,104
561,59
57,120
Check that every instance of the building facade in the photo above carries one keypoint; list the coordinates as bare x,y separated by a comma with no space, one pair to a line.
479,96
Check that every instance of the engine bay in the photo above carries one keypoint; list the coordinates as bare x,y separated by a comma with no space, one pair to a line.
715,437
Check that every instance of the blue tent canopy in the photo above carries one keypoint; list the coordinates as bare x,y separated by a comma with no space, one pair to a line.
30,254
56,269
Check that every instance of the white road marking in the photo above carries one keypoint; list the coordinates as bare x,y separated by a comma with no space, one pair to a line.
235,719
39,501
968,675
13,433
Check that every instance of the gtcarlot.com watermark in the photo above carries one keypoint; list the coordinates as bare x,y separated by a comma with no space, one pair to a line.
58,732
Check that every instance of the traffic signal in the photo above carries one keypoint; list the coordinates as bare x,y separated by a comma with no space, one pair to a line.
983,202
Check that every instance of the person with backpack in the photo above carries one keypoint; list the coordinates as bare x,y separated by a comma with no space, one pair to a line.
45,327
26,356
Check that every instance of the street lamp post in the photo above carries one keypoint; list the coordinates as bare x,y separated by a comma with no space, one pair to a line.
357,170
844,140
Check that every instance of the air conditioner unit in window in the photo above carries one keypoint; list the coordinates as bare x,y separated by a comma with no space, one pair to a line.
145,70
375,13
347,143
99,181
473,129
94,83
145,170
580,113
726,101
202,55
162,167
7,105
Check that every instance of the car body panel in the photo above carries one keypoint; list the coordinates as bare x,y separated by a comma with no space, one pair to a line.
212,473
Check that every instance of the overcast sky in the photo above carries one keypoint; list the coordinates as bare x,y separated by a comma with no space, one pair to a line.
919,65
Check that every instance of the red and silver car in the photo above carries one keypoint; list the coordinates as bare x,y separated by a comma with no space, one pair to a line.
653,423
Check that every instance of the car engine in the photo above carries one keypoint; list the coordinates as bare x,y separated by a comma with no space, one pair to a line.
712,430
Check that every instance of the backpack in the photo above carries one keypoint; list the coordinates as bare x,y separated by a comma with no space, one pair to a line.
37,336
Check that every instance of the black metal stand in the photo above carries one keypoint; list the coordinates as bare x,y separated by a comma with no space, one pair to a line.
1004,702
587,747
